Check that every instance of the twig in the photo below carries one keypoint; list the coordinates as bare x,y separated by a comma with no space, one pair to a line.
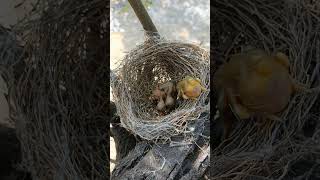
143,16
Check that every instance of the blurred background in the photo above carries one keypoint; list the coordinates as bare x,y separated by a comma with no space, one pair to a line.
183,20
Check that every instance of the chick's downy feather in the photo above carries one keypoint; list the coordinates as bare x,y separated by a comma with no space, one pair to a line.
253,82
259,81
190,88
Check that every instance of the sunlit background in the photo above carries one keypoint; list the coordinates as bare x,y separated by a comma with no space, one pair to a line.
183,20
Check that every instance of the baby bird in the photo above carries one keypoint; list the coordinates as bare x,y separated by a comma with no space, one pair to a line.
171,94
165,95
158,95
255,83
190,88
161,104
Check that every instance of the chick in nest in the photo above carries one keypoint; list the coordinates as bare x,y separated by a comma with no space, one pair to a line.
255,84
171,94
165,95
190,88
158,95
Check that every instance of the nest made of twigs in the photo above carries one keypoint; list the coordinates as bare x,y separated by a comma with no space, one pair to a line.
288,149
59,93
155,61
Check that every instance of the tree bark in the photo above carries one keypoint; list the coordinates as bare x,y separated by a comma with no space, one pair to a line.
163,161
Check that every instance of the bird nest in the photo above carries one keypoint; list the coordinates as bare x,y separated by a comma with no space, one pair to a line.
289,148
57,89
157,61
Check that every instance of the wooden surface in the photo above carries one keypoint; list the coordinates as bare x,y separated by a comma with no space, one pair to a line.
163,161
